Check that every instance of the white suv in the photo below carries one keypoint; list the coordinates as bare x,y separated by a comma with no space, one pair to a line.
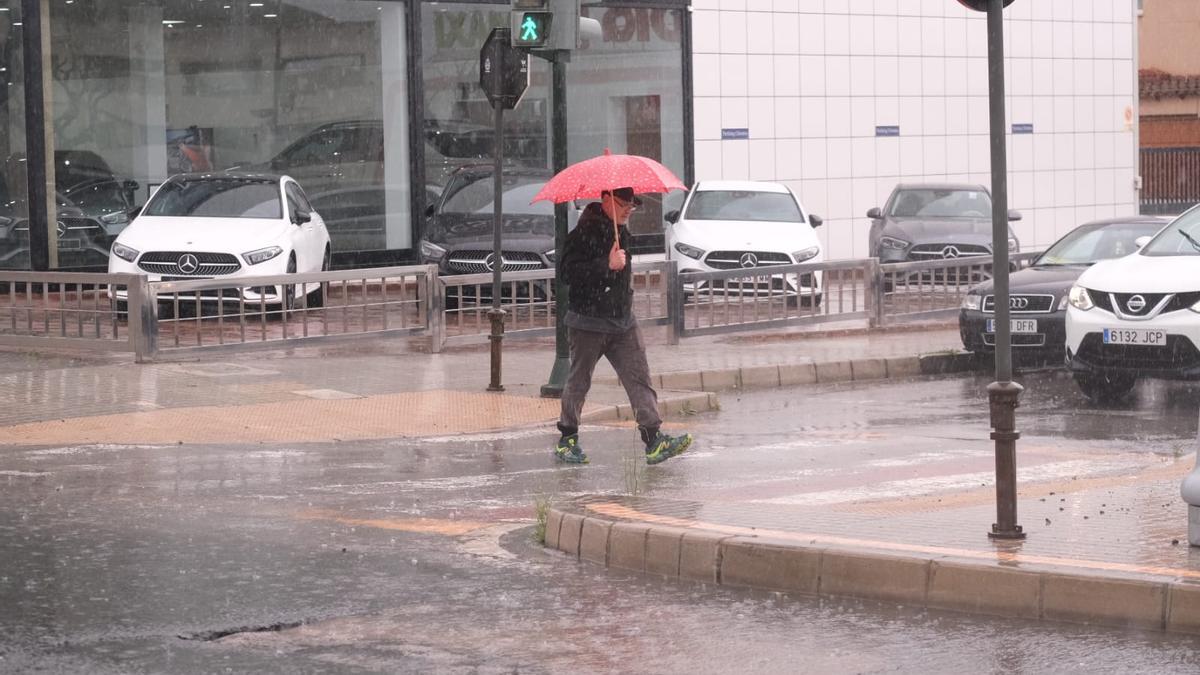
726,225
1138,316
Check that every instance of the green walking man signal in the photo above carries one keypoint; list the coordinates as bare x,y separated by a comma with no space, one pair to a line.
531,29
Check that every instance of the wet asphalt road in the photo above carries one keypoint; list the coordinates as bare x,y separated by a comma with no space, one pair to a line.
416,556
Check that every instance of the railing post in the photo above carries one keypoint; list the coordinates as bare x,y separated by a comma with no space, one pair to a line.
675,323
435,315
141,306
873,275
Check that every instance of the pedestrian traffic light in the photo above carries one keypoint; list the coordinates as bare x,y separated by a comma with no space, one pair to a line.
532,21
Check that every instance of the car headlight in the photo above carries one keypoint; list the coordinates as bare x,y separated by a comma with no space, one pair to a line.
1013,246
551,256
1195,307
1080,298
261,255
806,254
115,218
124,252
431,251
1062,303
893,243
689,251
972,301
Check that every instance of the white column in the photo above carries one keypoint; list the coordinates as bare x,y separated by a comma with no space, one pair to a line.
394,84
147,97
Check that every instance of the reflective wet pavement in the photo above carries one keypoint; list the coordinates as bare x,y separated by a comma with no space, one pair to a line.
414,554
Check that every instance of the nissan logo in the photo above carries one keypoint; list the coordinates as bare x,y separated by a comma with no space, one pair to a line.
950,252
62,229
748,260
1018,303
490,262
188,263
1136,303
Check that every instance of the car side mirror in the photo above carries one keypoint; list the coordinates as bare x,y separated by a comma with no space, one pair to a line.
1014,214
430,210
875,213
134,212
301,217
672,217
1141,241
815,220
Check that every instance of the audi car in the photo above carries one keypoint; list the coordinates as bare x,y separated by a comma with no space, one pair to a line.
458,233
725,225
935,221
1038,293
227,225
1138,316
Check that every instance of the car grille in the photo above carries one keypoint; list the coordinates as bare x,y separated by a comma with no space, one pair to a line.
1017,339
73,233
732,260
1177,353
1176,302
946,251
1022,304
210,264
474,262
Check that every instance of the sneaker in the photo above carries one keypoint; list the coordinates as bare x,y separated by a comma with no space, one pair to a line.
665,447
568,450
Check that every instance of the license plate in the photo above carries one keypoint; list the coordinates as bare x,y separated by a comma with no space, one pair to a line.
1015,325
1134,336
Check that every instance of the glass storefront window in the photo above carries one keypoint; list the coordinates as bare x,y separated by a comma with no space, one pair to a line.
14,225
316,89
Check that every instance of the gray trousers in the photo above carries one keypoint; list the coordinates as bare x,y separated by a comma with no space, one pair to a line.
627,354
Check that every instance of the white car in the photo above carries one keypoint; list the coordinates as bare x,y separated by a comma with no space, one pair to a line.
726,225
1138,316
226,225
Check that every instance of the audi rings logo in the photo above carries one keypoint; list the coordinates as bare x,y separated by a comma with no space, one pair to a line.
748,260
490,262
188,263
950,252
61,229
1018,303
1136,303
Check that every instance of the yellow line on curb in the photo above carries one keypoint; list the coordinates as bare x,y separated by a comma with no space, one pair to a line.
1002,557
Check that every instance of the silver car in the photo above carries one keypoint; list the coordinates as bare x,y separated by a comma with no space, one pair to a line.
932,221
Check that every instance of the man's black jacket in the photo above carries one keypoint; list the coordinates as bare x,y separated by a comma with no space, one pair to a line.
596,290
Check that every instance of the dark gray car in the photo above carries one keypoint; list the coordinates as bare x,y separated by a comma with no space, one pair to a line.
933,221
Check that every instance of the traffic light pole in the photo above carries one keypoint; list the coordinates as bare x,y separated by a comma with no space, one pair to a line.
1003,393
558,143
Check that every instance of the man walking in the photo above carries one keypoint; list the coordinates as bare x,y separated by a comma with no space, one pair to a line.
595,264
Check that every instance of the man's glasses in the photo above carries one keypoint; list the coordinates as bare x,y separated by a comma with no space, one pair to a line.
625,205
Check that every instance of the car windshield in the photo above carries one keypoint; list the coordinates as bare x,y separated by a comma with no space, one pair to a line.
98,196
1087,245
474,195
935,203
1180,237
743,205
217,198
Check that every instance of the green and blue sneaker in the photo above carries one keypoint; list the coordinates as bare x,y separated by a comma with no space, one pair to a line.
568,450
664,447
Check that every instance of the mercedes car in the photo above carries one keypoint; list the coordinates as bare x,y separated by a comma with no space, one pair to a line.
935,221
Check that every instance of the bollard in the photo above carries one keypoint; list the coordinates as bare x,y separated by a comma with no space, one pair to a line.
1190,491
497,337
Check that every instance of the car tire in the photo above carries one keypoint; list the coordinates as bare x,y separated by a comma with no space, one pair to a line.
288,291
317,298
1106,387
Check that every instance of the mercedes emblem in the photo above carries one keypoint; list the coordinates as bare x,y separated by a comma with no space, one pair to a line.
62,229
950,251
490,262
1136,303
748,259
188,263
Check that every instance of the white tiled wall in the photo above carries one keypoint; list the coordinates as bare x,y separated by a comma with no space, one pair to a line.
812,79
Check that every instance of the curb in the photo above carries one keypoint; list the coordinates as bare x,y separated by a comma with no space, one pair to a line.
669,404
813,372
933,582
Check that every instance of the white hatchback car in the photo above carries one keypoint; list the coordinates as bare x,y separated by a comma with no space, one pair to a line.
1138,316
226,225
725,225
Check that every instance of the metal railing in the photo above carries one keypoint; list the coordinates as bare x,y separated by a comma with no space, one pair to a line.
1170,180
125,312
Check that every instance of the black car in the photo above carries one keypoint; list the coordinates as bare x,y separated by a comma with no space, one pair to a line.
1038,294
458,232
935,221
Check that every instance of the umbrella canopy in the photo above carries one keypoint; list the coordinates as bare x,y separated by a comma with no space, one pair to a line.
587,179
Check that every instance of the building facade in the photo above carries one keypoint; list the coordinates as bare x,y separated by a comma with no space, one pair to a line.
371,105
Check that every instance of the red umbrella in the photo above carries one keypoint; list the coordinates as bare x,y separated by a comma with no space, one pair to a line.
587,179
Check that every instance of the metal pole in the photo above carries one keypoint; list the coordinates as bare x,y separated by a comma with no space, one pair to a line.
496,315
1003,393
35,136
558,141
